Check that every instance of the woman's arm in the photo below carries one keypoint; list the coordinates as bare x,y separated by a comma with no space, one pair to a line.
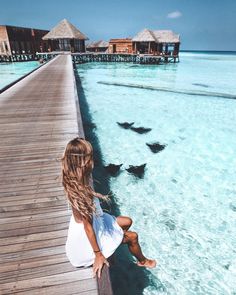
99,258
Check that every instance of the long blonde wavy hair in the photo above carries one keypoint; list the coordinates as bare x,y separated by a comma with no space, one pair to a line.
77,166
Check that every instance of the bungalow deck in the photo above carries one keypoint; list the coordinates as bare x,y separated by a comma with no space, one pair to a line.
38,116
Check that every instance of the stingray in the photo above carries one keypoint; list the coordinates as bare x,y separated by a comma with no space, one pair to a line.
156,147
125,125
136,170
113,169
141,130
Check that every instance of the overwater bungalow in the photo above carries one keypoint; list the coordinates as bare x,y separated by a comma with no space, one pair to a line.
120,45
98,46
159,42
21,41
65,37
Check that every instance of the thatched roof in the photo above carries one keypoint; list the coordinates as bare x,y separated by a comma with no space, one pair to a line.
98,44
166,36
144,36
159,36
65,30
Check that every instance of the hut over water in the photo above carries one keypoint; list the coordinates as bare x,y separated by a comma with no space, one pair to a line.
159,42
20,40
98,46
65,37
121,45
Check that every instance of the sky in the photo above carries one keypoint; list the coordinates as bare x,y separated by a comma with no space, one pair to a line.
202,24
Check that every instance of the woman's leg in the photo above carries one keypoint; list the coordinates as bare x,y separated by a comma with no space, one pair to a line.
131,239
124,222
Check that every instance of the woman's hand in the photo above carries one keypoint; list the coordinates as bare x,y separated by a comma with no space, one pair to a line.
98,264
99,258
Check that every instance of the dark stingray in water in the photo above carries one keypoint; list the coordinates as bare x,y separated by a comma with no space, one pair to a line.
125,125
113,169
156,147
141,130
137,170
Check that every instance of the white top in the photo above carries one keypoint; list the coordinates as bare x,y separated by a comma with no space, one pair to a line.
108,233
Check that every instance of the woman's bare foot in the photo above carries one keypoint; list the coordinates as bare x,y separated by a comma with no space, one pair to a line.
149,263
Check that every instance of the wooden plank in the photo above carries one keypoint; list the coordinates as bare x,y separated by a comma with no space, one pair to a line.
81,277
29,217
35,223
66,289
29,273
33,262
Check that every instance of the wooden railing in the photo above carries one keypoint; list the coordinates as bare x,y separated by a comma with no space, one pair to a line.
115,57
122,57
24,57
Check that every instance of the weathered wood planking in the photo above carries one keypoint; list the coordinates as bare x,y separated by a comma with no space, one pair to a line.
38,117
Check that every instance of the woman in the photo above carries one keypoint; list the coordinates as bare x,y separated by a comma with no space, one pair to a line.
93,235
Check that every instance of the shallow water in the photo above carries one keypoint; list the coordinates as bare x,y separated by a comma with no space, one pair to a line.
10,72
184,208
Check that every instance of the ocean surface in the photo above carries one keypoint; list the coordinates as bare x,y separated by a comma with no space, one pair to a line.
10,72
184,207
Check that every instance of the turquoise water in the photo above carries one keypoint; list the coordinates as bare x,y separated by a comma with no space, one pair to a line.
10,72
184,208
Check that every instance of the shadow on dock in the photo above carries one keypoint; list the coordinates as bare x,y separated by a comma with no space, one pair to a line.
126,277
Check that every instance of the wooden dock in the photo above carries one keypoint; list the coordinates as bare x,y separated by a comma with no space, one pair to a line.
38,117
